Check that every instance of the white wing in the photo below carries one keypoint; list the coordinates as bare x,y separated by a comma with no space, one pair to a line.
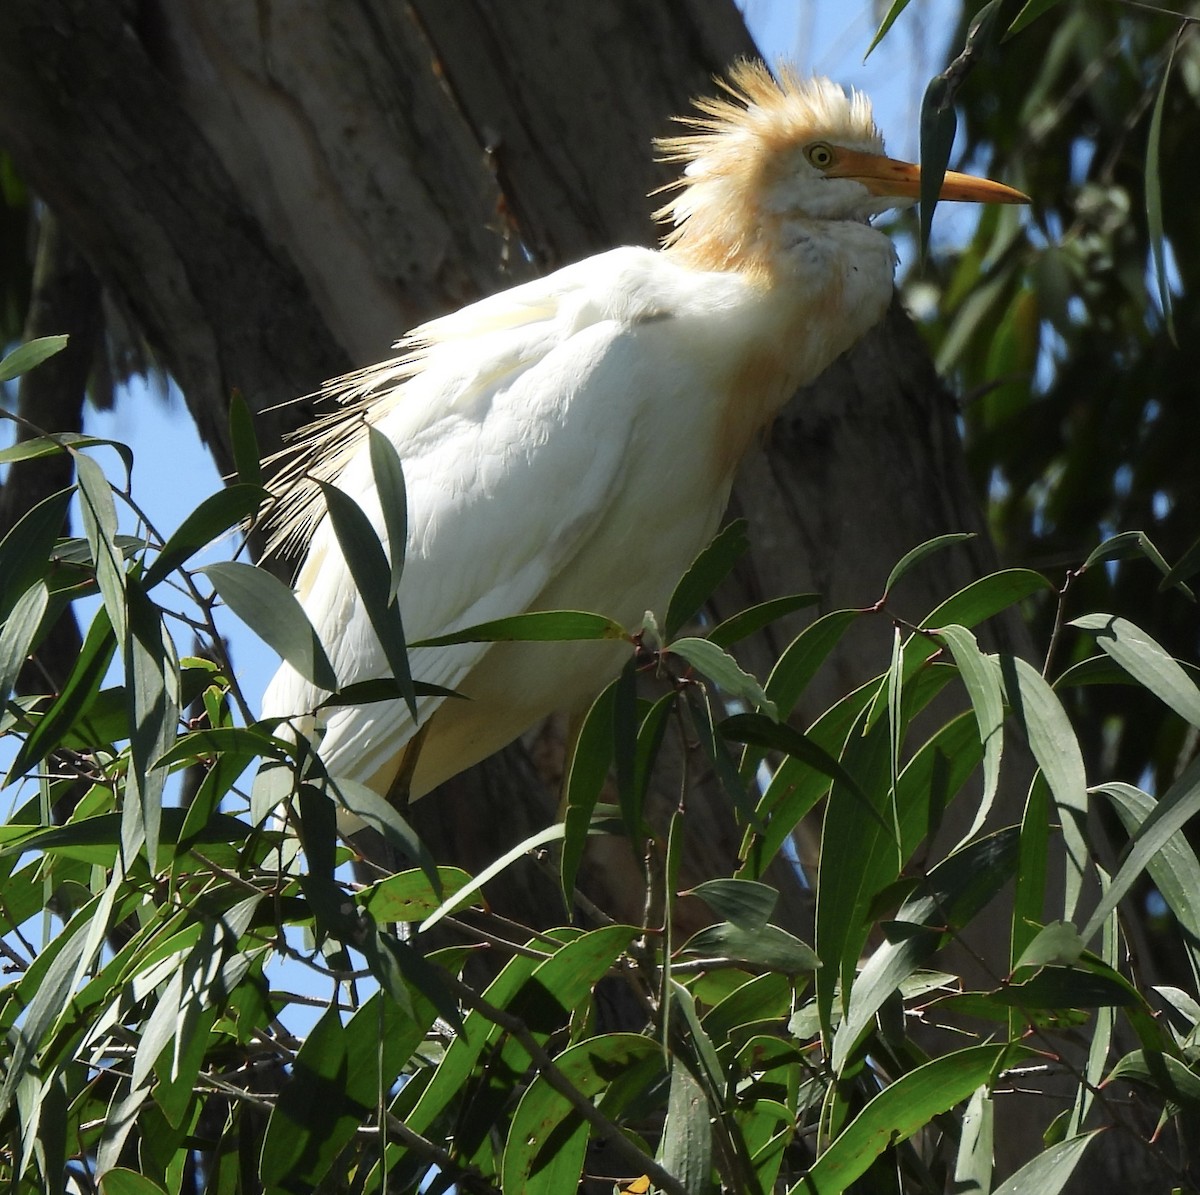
513,437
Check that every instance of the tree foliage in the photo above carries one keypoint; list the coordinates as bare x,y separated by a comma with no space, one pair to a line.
199,996
154,1043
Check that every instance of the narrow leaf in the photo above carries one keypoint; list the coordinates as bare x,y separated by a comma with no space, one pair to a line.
270,609
388,472
1049,1172
981,677
33,352
710,568
100,526
536,627
213,517
742,626
246,455
81,688
912,558
368,564
1056,749
1177,806
725,672
17,634
1146,662
898,1111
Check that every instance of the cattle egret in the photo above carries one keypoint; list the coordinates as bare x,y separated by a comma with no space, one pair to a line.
571,443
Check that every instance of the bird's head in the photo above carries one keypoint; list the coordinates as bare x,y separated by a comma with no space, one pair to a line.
776,151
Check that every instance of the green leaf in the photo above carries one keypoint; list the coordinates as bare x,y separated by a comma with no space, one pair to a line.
104,831
1058,943
1177,806
1146,662
939,123
1128,544
152,687
335,1081
462,898
119,1181
33,352
1174,867
708,570
1052,740
369,568
82,685
1065,987
898,6
746,903
973,1161
742,626
723,670
17,634
897,1112
803,656
954,891
981,677
100,526
388,472
779,736
547,1139
538,626
1049,1172
246,455
270,609
1169,1076
380,815
213,517
912,558
767,946
1187,566
686,1147
586,775
1154,209
410,896
25,550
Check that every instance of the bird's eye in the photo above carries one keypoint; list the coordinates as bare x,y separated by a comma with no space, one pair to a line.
820,155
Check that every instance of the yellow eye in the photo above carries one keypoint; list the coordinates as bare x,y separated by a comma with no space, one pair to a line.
820,155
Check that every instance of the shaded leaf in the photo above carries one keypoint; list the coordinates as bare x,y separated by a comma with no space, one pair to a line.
915,555
388,473
372,575
708,570
246,455
1049,1172
746,903
897,1112
1146,661
766,946
214,516
744,624
535,627
33,352
725,672
270,609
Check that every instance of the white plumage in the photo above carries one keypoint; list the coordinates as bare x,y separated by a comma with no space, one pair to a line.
571,442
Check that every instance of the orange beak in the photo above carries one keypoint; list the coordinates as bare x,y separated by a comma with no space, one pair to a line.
888,176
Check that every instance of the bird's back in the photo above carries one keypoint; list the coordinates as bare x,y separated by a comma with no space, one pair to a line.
569,443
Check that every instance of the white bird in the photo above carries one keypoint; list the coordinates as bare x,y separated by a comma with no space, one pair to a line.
571,443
